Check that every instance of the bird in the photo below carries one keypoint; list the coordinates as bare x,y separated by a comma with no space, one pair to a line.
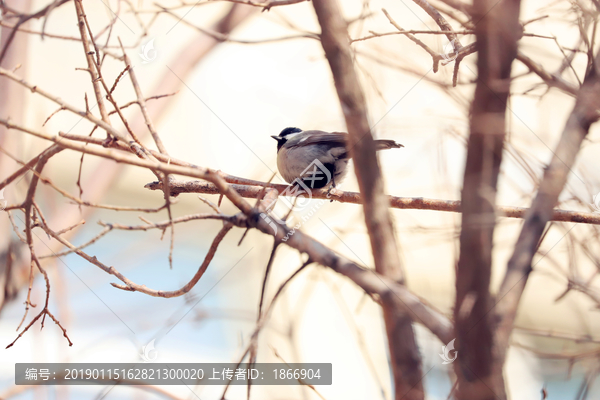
317,159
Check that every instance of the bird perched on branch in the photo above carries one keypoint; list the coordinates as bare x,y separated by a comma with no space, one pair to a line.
316,159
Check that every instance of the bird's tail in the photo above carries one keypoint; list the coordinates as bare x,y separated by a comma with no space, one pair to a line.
385,144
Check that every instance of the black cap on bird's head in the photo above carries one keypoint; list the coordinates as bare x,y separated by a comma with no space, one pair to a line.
289,131
281,138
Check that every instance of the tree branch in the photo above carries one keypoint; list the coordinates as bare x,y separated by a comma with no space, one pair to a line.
254,190
497,33
367,279
552,80
584,114
404,353
442,23
89,54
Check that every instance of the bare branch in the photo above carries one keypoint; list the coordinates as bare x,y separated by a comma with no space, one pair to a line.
254,191
442,23
35,89
133,287
552,80
142,103
88,243
583,115
370,281
266,5
404,354
435,56
89,53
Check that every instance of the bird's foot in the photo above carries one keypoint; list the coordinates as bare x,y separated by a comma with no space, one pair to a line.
333,193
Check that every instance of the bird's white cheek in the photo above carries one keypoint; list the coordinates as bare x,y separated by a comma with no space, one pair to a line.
293,135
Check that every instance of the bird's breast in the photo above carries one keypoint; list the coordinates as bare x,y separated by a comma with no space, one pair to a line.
292,162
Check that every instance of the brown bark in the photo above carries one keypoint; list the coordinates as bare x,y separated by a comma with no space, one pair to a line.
497,32
404,354
584,114
254,189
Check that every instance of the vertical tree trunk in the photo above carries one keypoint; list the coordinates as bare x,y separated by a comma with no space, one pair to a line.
497,30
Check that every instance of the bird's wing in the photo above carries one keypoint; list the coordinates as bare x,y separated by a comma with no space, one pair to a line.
319,137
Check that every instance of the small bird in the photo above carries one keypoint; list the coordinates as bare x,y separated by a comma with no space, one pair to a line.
319,159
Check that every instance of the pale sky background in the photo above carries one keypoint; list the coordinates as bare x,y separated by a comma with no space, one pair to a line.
234,100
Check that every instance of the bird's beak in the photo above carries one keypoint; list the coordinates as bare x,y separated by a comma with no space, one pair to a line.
276,138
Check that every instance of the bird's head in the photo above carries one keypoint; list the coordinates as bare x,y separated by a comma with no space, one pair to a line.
284,136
